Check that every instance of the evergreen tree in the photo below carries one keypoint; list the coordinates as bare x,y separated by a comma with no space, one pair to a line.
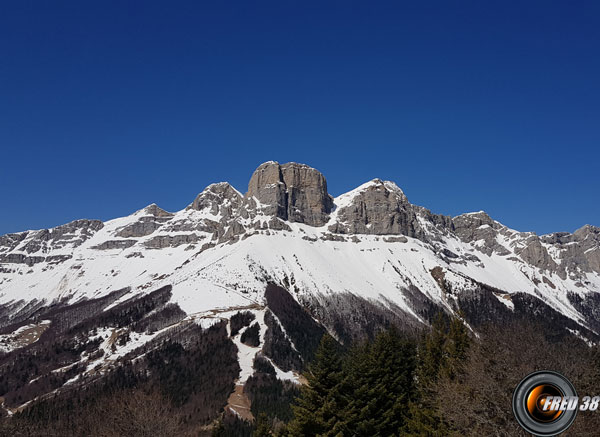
218,429
382,381
442,352
424,421
455,349
262,428
431,353
317,410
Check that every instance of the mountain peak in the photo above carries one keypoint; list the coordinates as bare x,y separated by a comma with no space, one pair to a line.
480,215
292,191
154,210
218,197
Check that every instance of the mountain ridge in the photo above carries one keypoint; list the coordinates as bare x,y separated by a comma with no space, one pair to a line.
288,258
221,214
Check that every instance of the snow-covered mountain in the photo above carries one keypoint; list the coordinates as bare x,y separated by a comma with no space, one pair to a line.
364,259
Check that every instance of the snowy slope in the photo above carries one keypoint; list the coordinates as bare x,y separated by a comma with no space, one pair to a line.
221,256
367,256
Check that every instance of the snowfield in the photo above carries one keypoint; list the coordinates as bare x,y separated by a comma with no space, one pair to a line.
303,259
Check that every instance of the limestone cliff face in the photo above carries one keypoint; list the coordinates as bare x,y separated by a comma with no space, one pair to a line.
45,241
574,254
479,226
292,192
220,199
152,219
588,239
536,254
267,187
380,208
279,194
579,250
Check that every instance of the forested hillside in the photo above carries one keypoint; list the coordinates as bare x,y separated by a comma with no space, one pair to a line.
443,381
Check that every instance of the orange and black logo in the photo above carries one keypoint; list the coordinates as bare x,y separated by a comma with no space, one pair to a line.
545,403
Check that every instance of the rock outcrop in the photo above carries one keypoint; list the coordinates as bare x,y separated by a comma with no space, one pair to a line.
115,244
572,254
588,238
536,254
220,199
378,208
292,192
213,212
365,250
280,194
162,241
152,217
579,250
480,227
69,235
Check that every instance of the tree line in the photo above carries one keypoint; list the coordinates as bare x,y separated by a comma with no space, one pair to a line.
447,381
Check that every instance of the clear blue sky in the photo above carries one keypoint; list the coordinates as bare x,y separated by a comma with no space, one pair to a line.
107,106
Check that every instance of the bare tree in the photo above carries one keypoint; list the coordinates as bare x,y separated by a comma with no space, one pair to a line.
479,401
136,413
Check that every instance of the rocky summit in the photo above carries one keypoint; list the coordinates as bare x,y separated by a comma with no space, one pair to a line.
293,192
293,261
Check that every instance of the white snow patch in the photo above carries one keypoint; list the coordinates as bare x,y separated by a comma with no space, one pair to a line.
505,299
22,336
